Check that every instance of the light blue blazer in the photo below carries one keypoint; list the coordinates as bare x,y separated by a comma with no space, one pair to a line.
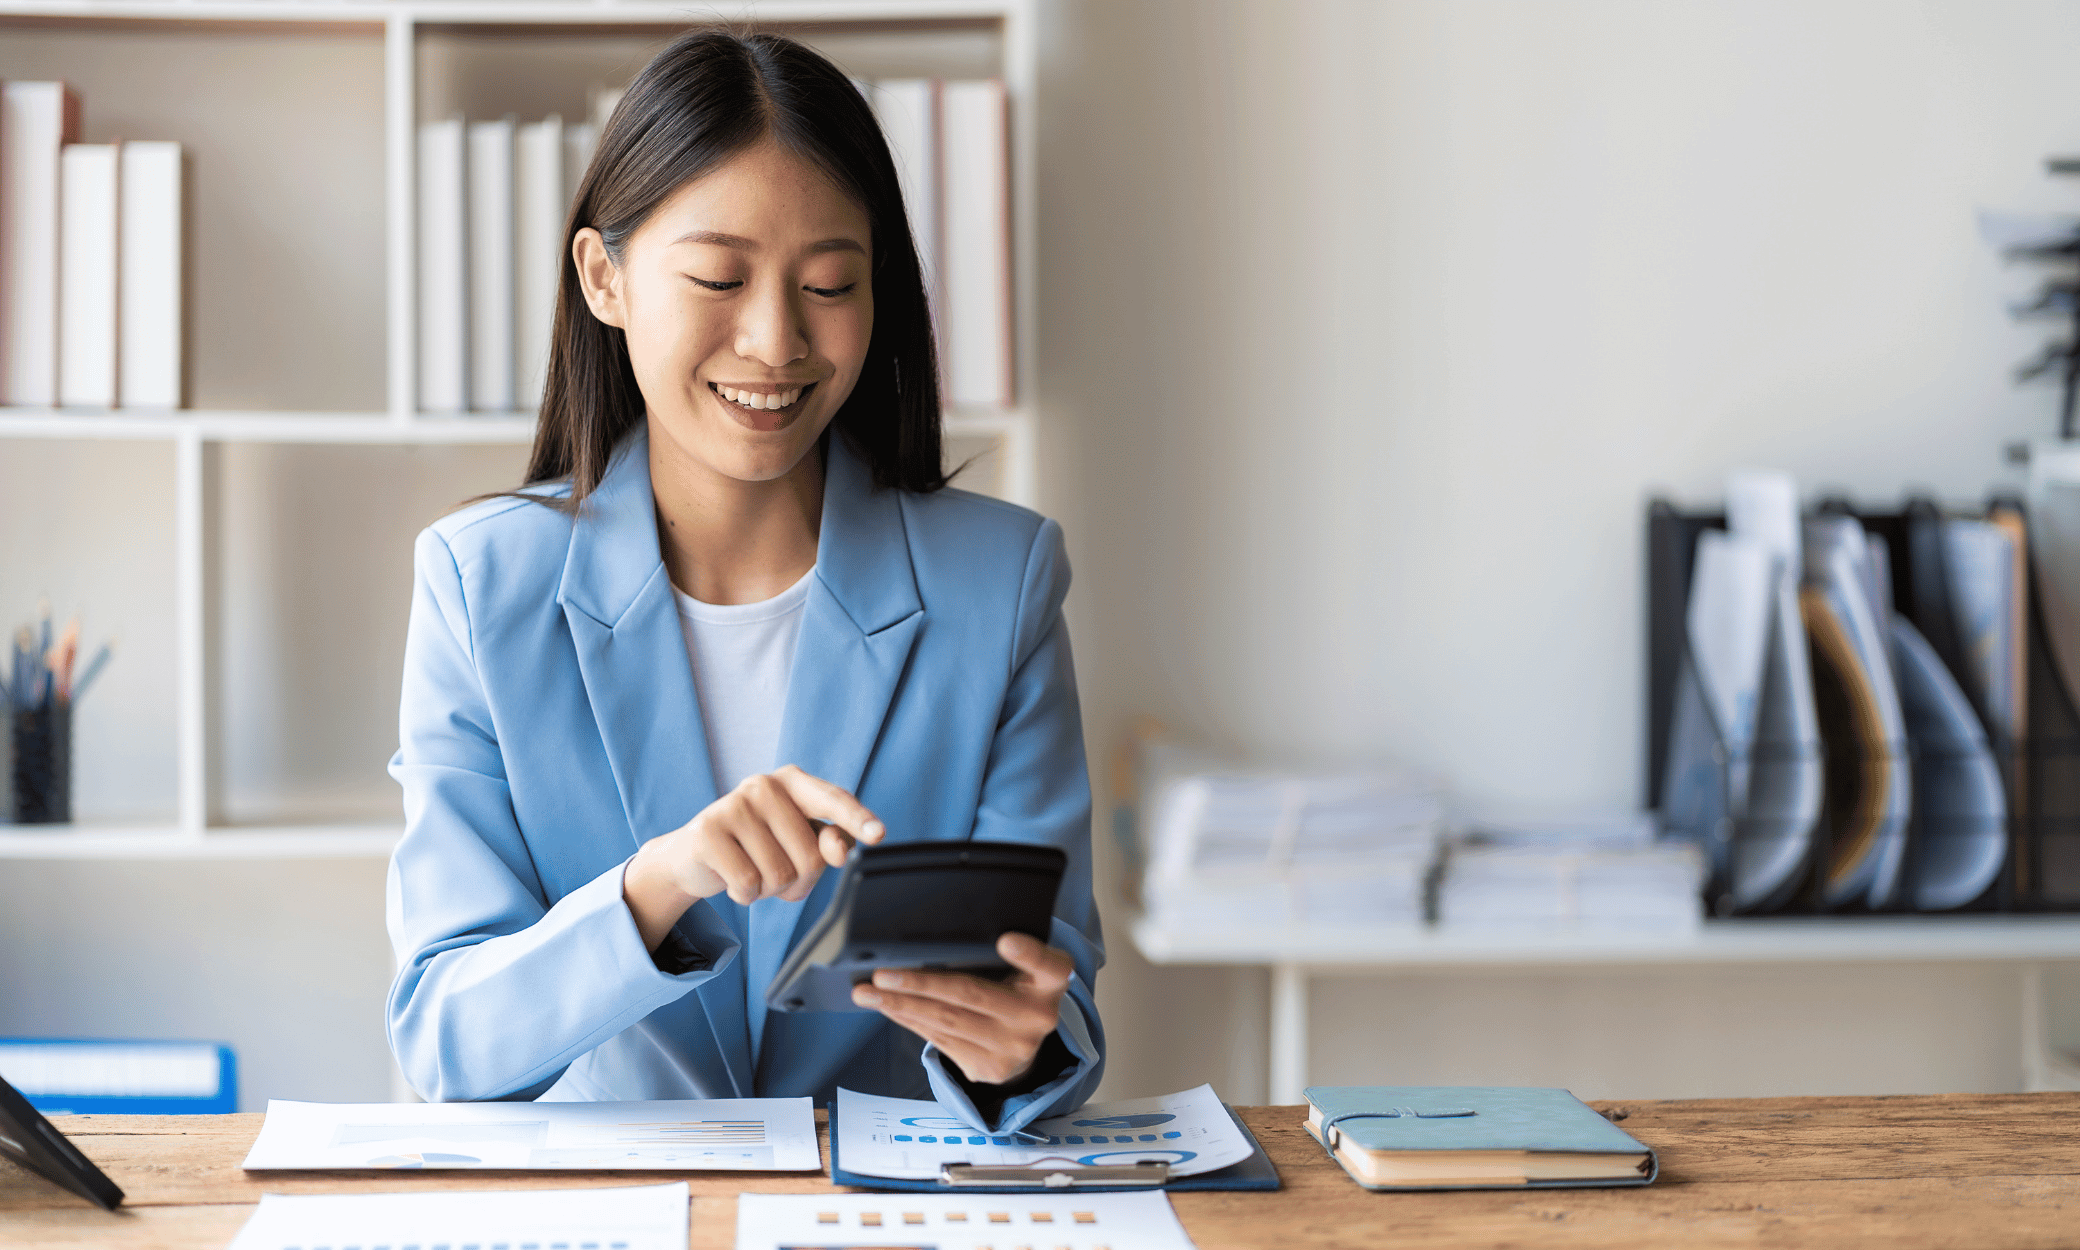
549,727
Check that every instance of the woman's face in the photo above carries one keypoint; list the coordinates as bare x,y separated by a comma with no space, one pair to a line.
747,307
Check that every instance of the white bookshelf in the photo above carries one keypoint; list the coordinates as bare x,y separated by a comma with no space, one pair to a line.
1003,439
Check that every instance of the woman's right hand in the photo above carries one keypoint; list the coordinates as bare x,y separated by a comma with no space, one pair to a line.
769,838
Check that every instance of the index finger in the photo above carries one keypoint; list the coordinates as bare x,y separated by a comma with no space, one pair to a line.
820,800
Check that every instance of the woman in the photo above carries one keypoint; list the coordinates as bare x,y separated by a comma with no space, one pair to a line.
732,625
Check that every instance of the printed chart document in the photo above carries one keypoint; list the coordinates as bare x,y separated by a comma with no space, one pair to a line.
907,1139
957,1221
730,1134
647,1217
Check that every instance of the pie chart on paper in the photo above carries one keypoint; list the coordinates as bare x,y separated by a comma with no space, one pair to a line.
423,1159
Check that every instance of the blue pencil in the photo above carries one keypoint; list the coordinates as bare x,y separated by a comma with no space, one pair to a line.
92,670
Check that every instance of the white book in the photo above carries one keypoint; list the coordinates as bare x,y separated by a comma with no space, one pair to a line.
541,203
908,109
149,288
443,268
579,140
36,120
976,245
604,101
88,178
491,265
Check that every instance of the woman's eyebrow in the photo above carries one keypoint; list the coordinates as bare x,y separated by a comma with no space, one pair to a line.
738,242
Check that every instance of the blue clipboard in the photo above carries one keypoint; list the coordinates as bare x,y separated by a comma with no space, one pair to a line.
1255,1172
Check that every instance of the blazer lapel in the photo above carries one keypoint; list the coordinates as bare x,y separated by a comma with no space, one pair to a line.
861,620
624,623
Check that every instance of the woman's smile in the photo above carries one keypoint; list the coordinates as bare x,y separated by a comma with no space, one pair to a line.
764,406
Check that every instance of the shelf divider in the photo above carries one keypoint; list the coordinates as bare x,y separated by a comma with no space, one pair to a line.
191,682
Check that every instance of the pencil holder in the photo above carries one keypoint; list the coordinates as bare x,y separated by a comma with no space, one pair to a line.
41,763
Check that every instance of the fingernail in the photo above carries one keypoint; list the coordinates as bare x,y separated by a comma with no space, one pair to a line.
891,980
873,831
865,997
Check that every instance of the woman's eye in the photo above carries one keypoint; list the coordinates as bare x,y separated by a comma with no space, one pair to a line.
718,286
831,292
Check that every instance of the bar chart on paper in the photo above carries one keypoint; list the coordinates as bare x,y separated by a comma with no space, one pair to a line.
958,1222
741,1134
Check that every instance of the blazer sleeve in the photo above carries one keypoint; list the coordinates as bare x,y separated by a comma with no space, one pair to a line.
478,941
1037,789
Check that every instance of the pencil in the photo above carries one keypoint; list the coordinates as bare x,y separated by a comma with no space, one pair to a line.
91,671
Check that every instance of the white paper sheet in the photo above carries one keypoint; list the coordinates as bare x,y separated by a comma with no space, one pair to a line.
1141,1221
647,1217
907,1139
735,1134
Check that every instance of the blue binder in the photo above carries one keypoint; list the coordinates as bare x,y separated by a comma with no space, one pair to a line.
1255,1172
113,1076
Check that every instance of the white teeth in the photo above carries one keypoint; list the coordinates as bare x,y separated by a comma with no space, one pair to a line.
762,401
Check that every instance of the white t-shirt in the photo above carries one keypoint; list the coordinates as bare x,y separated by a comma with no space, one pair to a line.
742,654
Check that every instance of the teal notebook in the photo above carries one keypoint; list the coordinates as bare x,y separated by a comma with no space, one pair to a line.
1473,1137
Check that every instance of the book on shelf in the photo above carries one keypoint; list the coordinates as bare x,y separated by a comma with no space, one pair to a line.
540,198
87,237
443,267
579,140
908,110
495,196
36,120
149,283
976,247
490,193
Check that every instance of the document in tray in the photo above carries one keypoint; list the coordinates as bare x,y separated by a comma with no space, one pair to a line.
731,1134
646,1217
907,1139
1056,1221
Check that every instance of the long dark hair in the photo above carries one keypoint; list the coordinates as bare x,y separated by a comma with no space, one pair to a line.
708,96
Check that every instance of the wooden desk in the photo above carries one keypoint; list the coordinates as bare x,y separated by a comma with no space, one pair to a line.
1976,1170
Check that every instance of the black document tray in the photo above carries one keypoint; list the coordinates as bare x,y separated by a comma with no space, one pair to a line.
931,905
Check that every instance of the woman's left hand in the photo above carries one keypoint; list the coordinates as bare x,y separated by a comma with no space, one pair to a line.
990,1029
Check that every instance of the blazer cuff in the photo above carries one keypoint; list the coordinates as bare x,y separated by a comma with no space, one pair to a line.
1070,1042
699,944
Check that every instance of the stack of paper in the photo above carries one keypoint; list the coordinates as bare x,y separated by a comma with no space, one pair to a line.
1292,849
733,1134
648,1217
1571,874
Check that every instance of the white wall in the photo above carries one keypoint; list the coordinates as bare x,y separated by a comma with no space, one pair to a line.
1368,327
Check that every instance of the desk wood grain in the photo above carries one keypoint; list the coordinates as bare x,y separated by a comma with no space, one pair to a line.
1985,1171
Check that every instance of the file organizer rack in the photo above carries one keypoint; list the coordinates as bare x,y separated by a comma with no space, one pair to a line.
2040,774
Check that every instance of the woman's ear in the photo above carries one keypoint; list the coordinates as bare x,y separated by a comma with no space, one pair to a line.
599,277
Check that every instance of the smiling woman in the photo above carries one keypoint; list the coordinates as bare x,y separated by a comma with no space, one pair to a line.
709,100
734,624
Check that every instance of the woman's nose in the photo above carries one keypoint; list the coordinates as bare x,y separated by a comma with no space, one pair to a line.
769,329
